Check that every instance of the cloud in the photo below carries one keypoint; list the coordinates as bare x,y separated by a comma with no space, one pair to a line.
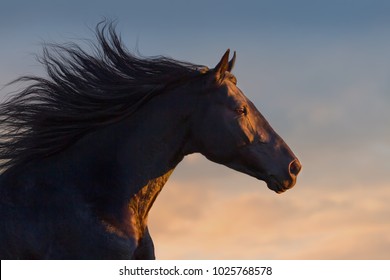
196,222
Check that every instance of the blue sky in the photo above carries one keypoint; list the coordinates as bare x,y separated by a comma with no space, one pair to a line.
318,70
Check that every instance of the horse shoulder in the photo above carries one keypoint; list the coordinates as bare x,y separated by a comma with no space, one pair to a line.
44,217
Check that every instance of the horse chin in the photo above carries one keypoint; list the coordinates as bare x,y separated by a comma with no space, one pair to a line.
274,185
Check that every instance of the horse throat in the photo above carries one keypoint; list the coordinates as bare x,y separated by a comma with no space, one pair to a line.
135,214
142,202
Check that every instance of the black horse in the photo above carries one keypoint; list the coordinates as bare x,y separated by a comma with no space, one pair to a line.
85,152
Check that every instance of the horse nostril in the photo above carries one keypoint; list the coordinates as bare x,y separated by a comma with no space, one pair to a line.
295,167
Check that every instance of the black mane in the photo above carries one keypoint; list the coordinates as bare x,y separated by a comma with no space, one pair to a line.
82,92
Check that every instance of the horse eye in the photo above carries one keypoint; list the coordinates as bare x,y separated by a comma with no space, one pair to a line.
242,111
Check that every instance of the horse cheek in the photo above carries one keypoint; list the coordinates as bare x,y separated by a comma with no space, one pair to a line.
245,132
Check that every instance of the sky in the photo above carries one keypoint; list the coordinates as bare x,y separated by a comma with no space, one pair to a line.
319,71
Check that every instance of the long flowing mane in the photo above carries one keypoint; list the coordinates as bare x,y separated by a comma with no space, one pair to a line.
82,92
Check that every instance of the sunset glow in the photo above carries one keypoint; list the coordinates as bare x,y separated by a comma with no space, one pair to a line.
318,72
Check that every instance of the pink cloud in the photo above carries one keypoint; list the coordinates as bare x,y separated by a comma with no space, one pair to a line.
205,222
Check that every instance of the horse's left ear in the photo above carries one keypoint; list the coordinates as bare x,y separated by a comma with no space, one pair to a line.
223,65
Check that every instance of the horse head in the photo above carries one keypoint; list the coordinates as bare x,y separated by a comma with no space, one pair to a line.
228,129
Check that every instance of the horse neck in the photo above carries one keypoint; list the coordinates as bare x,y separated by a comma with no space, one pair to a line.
157,136
130,161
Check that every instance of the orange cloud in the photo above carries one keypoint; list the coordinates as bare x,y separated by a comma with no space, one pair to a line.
206,222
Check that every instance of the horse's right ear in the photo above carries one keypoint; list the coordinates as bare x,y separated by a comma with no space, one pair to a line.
222,66
231,62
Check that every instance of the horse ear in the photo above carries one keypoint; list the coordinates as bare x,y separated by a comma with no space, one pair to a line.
223,65
231,62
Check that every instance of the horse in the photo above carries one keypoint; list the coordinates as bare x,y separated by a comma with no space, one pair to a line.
86,150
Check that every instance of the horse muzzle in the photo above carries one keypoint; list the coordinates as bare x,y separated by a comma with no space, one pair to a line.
280,185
